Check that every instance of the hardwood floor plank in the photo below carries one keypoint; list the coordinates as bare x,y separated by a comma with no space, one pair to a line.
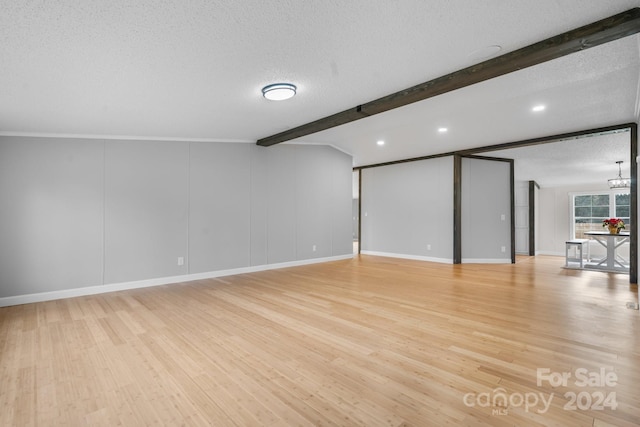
371,341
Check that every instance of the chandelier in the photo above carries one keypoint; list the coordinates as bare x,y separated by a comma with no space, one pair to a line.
619,182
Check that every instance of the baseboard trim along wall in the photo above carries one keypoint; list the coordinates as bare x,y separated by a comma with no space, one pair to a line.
101,289
486,260
405,256
551,253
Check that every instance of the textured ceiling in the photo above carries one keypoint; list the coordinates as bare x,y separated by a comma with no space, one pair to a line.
585,160
586,90
173,69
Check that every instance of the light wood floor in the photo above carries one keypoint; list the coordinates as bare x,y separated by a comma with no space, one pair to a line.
365,342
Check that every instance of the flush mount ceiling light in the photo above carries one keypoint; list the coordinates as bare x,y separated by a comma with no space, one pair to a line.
619,182
538,108
443,130
380,142
279,91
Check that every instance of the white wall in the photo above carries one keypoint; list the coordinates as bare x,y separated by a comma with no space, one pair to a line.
554,225
407,210
82,214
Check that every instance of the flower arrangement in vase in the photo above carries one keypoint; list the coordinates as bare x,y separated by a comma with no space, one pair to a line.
614,225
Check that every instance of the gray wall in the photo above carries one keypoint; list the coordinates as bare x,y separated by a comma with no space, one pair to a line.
77,213
146,209
51,214
486,211
522,217
536,222
407,210
219,206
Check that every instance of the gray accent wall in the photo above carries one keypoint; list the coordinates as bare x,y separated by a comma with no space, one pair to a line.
259,223
281,207
146,209
339,208
486,211
407,209
522,217
84,212
219,206
51,214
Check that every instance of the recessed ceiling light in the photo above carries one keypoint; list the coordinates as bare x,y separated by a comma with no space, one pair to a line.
539,108
279,91
443,130
380,142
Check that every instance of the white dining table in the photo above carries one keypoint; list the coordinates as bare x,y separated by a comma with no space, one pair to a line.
611,242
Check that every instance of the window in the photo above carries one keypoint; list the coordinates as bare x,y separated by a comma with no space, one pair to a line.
623,207
588,211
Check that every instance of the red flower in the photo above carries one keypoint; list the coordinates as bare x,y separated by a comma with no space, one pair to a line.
613,222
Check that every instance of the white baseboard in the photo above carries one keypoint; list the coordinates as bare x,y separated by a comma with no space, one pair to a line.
486,261
113,287
405,256
552,253
440,260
